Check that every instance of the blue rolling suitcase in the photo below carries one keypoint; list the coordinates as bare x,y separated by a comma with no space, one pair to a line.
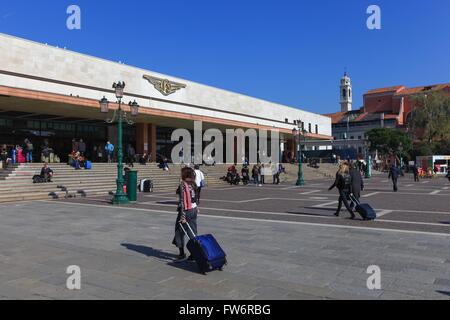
206,251
364,209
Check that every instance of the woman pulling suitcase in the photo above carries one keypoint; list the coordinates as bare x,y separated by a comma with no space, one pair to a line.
343,183
187,210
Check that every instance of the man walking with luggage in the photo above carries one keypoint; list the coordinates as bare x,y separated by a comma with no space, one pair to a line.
393,174
357,183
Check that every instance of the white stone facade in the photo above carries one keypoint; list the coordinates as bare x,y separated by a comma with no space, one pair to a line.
71,69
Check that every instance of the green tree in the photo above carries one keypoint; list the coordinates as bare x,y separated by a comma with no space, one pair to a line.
431,118
387,141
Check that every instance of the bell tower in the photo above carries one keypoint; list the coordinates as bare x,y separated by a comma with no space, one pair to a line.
346,93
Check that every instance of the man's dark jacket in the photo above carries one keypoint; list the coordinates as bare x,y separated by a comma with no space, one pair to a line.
393,172
357,181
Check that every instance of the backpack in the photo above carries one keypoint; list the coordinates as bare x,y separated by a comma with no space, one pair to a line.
38,179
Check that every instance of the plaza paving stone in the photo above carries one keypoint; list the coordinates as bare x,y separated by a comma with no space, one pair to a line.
126,253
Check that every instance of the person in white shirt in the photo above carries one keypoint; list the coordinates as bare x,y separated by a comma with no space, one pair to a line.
199,181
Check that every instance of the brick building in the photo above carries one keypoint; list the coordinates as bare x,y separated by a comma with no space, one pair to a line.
390,107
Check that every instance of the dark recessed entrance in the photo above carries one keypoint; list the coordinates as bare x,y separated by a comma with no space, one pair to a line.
17,126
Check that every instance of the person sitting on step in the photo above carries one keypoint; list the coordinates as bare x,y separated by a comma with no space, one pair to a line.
46,173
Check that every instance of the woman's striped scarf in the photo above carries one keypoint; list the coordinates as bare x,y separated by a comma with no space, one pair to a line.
187,197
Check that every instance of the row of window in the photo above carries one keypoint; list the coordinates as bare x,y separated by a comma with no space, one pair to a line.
59,126
6,123
345,137
303,126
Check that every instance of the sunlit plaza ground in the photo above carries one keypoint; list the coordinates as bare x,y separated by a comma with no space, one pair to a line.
282,242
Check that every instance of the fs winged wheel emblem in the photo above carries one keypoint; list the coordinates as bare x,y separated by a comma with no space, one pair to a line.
166,87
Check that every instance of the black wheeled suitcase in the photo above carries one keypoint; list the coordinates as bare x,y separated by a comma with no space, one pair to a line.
146,186
206,251
364,209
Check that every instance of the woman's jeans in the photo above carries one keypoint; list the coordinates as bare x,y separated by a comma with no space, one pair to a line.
29,156
343,198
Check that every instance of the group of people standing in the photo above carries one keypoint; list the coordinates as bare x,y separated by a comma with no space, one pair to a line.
21,153
258,174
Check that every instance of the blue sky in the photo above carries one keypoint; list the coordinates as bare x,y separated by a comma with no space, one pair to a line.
287,51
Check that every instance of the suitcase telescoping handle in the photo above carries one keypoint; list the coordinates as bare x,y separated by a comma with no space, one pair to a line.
353,198
190,229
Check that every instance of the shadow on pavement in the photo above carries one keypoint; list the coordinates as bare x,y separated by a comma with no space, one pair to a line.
149,252
168,202
308,214
324,209
186,265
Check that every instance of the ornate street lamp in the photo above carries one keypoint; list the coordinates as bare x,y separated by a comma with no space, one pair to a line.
120,197
368,157
297,133
400,153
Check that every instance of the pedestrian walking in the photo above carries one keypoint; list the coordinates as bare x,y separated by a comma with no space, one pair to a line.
393,174
343,183
199,181
75,146
28,151
415,171
181,155
100,153
276,174
131,154
255,175
109,148
82,148
187,210
262,171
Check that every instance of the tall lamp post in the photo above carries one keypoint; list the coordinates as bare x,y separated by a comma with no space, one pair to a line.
368,174
400,153
297,133
120,197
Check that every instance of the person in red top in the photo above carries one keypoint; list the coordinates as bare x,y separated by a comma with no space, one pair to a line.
187,210
20,156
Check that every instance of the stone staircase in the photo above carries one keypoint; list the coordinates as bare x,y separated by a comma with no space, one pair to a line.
16,182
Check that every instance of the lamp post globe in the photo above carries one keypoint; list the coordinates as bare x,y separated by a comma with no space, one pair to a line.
134,108
119,87
104,105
